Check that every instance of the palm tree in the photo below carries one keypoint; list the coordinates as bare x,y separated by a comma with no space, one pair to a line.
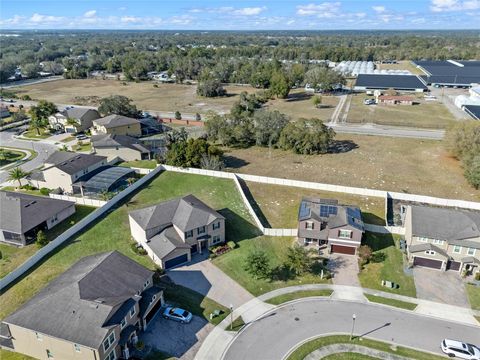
37,124
73,122
131,180
17,174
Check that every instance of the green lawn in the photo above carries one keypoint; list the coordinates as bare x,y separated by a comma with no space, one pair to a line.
391,302
391,269
68,139
348,356
85,147
14,257
278,204
233,262
307,348
236,325
113,232
25,191
32,134
9,156
473,293
10,355
144,164
277,300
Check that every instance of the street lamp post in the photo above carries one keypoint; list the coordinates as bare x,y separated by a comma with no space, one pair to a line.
353,325
231,317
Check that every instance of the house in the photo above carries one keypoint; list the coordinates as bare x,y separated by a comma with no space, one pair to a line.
324,222
173,230
395,100
93,311
117,125
83,116
62,169
443,239
22,216
123,147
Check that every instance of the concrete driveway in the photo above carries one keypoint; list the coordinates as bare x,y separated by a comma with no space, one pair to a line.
205,278
344,269
445,287
176,339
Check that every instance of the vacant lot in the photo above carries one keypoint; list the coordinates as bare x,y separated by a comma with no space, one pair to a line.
395,164
165,97
299,105
402,65
278,205
431,114
113,232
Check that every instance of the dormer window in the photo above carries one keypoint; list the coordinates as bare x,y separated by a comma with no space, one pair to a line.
345,234
309,225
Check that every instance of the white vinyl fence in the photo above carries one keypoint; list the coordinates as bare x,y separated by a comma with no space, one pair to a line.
79,200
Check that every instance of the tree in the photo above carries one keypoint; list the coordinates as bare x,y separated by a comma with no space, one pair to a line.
31,70
307,137
317,101
323,78
73,122
178,115
365,254
257,264
40,114
20,115
192,153
209,86
41,239
17,174
211,162
279,85
298,260
218,128
118,104
269,126
472,170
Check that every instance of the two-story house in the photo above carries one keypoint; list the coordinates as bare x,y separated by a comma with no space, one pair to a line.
93,311
62,169
83,118
122,147
443,239
324,222
173,230
117,125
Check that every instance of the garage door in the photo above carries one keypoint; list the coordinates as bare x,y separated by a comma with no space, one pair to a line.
430,263
176,261
153,312
341,249
453,265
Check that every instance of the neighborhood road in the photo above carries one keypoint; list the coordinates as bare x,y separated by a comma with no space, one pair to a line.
275,334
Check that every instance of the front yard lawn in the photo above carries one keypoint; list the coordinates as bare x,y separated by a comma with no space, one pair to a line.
391,302
85,147
473,293
233,264
277,300
32,134
390,269
144,164
236,325
9,156
113,231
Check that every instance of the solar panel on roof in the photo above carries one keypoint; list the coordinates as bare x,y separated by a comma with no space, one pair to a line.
327,210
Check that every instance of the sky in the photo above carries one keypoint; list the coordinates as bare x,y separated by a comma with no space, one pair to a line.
240,14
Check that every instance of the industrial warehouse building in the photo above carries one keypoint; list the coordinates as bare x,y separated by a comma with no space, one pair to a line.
450,73
410,83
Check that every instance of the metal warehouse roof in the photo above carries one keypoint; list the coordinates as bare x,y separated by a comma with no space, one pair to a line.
473,111
450,72
399,82
108,177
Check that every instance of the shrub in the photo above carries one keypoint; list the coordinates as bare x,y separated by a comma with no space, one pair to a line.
232,244
378,257
477,275
45,191
41,239
257,264
178,115
29,187
138,249
155,85
364,254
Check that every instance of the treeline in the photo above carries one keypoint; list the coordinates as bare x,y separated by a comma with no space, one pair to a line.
234,57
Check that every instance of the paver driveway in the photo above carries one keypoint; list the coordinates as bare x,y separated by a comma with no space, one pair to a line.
445,287
205,278
344,269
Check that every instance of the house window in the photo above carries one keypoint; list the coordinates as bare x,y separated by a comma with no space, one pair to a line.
39,336
471,251
216,239
49,354
189,234
76,347
216,225
457,249
111,356
108,341
146,284
309,225
201,230
422,239
123,323
345,234
438,242
132,311
429,252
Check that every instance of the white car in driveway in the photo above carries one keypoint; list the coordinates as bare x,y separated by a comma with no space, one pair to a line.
461,350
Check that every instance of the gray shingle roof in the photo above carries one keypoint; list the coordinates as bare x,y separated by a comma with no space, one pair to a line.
111,140
113,120
22,212
71,163
70,306
166,241
78,113
445,224
426,246
187,213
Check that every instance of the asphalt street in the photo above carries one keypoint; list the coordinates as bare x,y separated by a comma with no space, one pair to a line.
274,335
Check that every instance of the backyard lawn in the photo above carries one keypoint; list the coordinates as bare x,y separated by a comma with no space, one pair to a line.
390,269
233,264
8,156
145,164
14,257
278,204
10,355
113,233
375,162
473,293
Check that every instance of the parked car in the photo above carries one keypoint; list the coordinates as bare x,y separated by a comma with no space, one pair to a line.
368,101
81,137
454,348
177,314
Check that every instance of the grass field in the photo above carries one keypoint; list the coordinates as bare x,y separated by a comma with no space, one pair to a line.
233,264
113,232
473,293
10,156
12,257
431,114
395,164
391,302
402,65
299,105
277,300
279,204
145,164
390,269
301,352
